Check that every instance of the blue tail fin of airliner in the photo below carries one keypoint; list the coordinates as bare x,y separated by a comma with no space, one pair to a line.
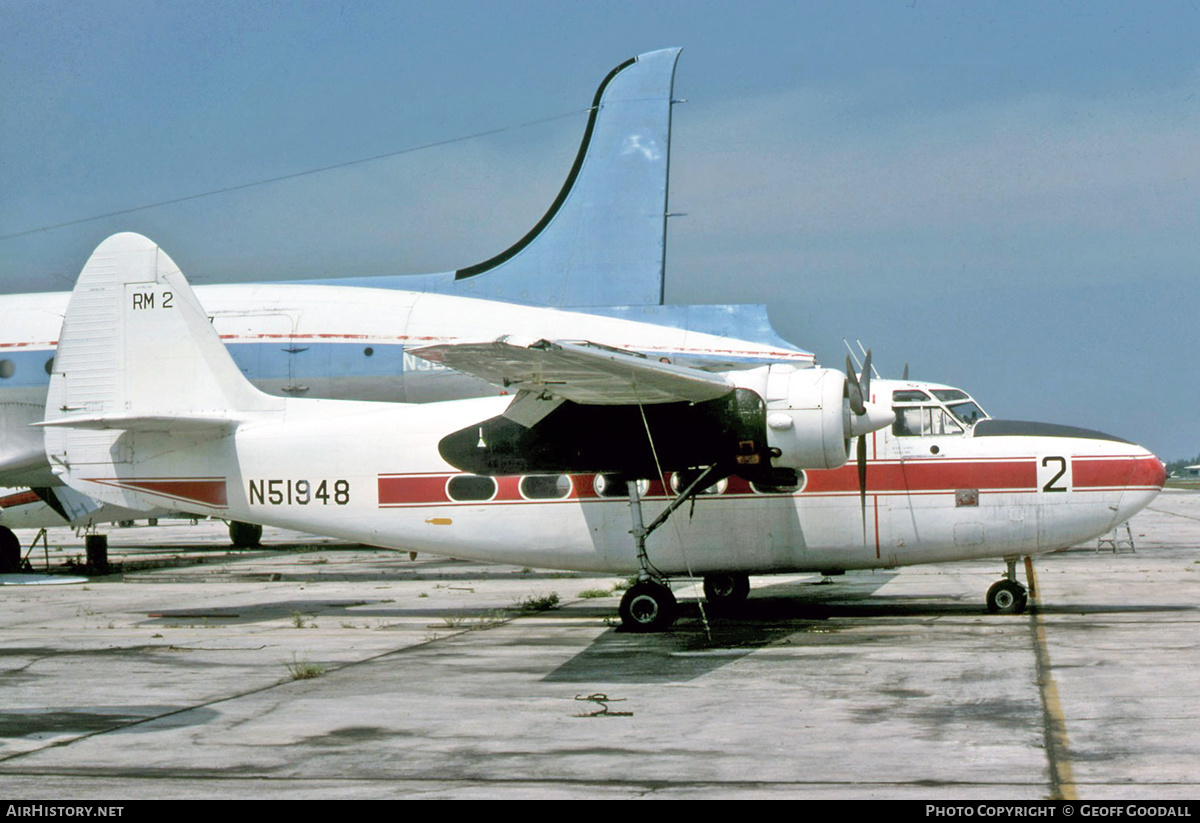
603,240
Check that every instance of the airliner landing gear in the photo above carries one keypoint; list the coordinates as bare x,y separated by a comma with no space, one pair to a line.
1007,596
244,535
648,606
10,551
721,590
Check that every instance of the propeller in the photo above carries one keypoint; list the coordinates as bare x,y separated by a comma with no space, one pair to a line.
867,417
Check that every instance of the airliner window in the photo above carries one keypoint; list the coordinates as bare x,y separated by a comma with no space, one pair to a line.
941,422
909,396
545,486
908,421
610,485
681,480
946,395
968,412
924,420
613,485
469,487
759,488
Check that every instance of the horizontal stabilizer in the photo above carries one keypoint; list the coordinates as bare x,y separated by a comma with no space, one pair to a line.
585,373
195,423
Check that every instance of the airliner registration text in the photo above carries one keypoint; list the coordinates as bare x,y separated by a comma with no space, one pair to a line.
299,492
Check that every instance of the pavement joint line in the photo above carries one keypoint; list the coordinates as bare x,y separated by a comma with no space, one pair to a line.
1054,723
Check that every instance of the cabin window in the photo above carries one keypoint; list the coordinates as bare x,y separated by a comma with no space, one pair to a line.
7,369
545,486
761,488
610,485
909,396
614,485
681,480
470,487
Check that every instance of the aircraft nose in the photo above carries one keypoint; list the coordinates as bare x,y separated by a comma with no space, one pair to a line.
1100,464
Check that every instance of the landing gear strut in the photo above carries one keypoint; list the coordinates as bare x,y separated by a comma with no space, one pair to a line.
1007,596
649,605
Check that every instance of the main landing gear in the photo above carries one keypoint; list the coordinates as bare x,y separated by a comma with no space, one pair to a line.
649,605
244,535
10,551
726,590
1007,596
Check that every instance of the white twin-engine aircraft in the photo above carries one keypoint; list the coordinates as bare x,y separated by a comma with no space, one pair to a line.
146,410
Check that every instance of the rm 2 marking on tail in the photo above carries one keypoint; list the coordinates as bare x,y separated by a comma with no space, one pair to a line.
145,300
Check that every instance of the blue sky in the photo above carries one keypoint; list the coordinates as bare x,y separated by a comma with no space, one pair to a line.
1004,195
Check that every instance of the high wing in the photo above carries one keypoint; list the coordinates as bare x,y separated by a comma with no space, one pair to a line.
582,372
583,407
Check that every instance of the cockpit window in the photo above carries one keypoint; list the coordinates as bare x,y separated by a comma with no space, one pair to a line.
924,420
946,395
909,396
968,412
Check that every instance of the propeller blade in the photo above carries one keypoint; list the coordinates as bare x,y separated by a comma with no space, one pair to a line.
862,481
854,390
865,379
905,375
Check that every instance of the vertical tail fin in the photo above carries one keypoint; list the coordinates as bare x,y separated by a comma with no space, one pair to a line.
603,240
135,341
140,372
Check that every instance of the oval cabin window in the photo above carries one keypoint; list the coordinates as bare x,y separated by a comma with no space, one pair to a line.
470,487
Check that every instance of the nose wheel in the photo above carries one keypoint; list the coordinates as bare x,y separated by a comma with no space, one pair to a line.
1007,596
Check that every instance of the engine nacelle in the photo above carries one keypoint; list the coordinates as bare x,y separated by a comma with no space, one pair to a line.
807,418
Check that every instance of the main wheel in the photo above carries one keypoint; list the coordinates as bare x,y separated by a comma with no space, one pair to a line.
1007,597
726,589
648,607
244,535
10,551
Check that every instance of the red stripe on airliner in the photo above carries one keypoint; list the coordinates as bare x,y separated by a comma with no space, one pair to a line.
18,499
207,491
1111,472
921,476
929,475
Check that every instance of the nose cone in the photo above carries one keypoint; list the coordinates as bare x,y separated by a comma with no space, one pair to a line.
1142,483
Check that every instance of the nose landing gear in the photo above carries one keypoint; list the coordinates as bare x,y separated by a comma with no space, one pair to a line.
1008,596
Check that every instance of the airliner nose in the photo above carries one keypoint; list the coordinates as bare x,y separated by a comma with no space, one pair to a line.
1121,476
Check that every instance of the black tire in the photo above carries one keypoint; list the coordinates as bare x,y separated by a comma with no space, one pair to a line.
1007,597
10,551
244,535
726,589
648,607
